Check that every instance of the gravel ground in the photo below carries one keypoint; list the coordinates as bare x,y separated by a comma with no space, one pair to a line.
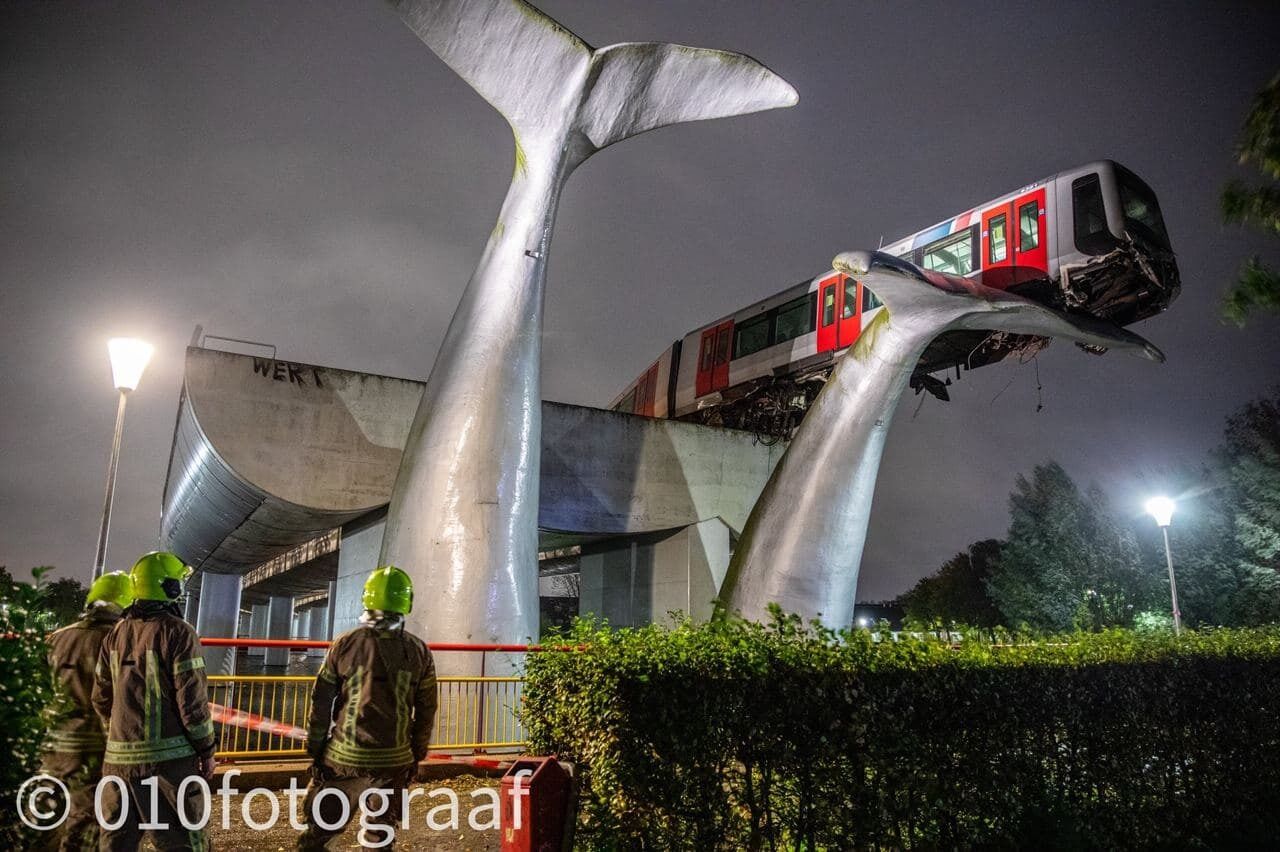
418,836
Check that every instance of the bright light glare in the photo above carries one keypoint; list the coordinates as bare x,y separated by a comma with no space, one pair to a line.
864,621
129,357
1160,508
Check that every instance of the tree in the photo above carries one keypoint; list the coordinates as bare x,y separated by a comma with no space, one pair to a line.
957,592
1067,562
1250,457
1258,285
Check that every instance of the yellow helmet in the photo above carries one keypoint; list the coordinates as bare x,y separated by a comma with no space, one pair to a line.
113,587
158,576
388,589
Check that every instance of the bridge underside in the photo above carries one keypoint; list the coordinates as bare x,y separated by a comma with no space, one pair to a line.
277,467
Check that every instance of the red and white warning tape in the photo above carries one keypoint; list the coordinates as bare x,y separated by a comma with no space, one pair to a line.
254,722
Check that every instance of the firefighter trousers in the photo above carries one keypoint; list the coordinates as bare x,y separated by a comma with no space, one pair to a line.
137,811
80,772
351,783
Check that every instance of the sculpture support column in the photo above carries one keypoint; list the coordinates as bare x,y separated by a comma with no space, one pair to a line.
463,514
801,547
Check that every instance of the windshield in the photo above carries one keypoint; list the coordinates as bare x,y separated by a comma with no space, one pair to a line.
1141,211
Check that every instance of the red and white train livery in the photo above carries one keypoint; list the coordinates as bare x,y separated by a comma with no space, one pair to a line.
1089,240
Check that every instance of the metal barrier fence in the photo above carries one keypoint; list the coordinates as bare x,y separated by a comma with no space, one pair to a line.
474,714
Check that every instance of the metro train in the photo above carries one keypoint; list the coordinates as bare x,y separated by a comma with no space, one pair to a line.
1090,240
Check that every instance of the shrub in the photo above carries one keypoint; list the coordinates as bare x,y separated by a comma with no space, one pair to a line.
25,687
731,735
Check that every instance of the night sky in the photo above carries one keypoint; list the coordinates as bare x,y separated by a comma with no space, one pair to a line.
311,176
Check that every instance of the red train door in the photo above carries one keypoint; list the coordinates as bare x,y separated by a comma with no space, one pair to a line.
713,358
1031,258
724,350
997,246
828,296
849,312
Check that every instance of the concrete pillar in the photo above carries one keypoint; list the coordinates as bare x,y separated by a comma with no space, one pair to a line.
318,628
637,581
258,628
299,626
279,622
357,557
219,616
243,629
331,609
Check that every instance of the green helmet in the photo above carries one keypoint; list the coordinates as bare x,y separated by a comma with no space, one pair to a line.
114,587
158,576
388,589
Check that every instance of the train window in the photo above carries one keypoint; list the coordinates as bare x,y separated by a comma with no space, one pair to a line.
952,255
708,351
999,242
751,336
828,305
1029,226
870,301
794,319
850,299
1141,212
1090,216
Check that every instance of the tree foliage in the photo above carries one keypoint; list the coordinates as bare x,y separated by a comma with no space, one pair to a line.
957,592
1258,285
1068,563
1250,458
25,686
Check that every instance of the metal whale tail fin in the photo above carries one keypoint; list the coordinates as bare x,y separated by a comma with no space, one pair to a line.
530,68
645,85
903,285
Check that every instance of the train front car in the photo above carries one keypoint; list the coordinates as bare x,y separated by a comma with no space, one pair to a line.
1115,260
1090,240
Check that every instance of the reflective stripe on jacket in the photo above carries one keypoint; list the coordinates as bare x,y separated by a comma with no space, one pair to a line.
71,724
374,701
150,689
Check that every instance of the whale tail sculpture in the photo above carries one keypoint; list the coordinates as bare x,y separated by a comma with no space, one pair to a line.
540,75
463,514
802,544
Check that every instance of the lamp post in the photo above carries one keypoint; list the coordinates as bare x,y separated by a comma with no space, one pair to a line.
129,358
1161,508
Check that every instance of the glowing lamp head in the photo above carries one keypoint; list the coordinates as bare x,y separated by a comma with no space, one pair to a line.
129,357
1160,508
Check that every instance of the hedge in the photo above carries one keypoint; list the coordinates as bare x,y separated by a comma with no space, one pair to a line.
739,736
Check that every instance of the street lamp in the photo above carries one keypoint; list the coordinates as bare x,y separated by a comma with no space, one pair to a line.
1161,508
129,358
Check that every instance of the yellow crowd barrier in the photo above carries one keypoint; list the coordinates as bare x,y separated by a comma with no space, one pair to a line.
474,714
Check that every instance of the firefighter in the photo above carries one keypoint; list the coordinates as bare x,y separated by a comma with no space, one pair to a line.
151,693
372,709
74,738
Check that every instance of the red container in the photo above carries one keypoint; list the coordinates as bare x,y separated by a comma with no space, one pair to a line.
535,795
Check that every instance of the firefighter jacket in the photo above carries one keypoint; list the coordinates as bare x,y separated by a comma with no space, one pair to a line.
150,689
71,724
383,682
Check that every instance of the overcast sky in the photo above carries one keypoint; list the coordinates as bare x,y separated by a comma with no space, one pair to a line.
311,176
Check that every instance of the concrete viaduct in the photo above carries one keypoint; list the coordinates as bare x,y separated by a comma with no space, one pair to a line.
280,473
